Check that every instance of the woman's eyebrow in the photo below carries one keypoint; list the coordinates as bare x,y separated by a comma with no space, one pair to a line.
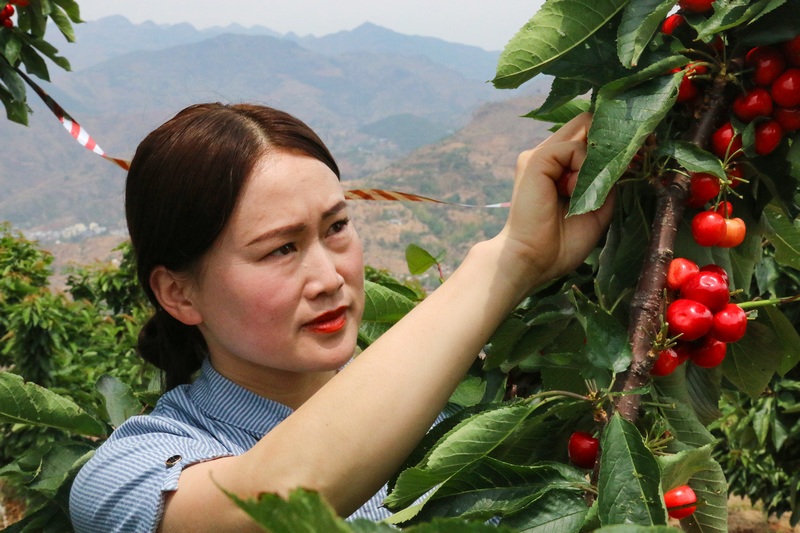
293,229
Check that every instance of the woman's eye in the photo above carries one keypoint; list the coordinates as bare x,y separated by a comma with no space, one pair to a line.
286,249
340,225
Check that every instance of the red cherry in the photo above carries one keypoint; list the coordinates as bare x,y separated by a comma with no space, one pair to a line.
8,10
768,135
724,208
678,271
683,350
702,188
725,142
688,318
753,104
708,288
729,324
687,90
8,23
708,228
668,360
767,63
787,117
735,231
791,49
785,89
708,352
717,269
696,6
582,449
671,23
679,502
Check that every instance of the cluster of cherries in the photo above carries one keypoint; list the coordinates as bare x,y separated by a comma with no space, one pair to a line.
583,448
8,11
700,316
5,16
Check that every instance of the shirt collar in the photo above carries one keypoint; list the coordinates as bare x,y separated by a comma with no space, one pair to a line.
223,400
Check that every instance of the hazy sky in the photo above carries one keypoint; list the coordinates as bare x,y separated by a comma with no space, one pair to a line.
485,23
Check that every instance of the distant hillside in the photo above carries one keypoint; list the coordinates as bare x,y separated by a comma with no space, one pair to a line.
362,102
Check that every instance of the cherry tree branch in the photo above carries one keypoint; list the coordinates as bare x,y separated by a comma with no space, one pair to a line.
647,305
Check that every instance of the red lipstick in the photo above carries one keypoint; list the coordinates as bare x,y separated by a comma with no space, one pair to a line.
329,322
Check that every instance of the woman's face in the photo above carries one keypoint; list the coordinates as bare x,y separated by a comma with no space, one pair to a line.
283,287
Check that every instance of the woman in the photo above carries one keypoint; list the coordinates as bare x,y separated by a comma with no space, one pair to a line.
243,244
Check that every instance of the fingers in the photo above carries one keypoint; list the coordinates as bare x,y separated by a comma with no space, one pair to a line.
576,129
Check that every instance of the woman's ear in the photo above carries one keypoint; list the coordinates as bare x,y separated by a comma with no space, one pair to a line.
172,292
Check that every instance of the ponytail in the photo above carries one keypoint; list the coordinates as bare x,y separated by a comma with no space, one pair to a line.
176,349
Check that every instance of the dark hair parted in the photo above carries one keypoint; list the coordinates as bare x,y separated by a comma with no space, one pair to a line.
182,187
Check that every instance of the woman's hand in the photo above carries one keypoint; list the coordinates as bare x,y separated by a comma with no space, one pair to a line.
539,241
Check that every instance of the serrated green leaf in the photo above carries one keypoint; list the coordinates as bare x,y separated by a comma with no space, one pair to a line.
692,157
640,21
563,91
118,399
34,64
418,259
607,344
16,111
28,403
784,236
681,418
678,468
772,26
632,528
13,82
622,121
628,485
563,113
383,307
302,512
555,511
71,8
558,27
733,14
711,489
63,23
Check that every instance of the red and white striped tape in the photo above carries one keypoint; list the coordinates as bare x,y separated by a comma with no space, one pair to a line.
82,136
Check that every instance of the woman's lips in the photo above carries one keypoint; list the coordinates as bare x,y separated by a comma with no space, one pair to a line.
329,322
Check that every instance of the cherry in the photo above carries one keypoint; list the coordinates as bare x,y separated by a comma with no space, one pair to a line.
708,228
708,352
768,135
787,117
8,11
729,323
753,104
582,449
735,231
785,89
671,23
702,188
717,269
8,23
668,360
696,6
687,90
791,49
688,318
678,271
725,142
767,63
724,208
680,502
708,288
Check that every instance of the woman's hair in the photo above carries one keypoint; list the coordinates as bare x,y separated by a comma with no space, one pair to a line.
184,182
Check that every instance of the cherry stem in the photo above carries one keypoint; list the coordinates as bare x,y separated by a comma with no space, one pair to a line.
772,301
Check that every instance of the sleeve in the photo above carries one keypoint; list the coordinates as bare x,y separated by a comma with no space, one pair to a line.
121,488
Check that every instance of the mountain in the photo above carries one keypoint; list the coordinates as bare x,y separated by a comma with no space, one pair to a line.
363,97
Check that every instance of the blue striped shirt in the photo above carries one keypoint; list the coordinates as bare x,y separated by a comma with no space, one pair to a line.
121,488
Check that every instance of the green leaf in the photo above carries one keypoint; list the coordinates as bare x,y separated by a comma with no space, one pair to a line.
677,469
558,27
632,528
71,8
732,14
683,422
495,488
13,81
772,26
34,64
692,157
471,440
46,470
16,111
622,121
563,113
383,307
562,92
418,259
63,24
607,344
640,21
28,403
629,481
302,511
711,489
118,399
770,345
784,236
555,510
